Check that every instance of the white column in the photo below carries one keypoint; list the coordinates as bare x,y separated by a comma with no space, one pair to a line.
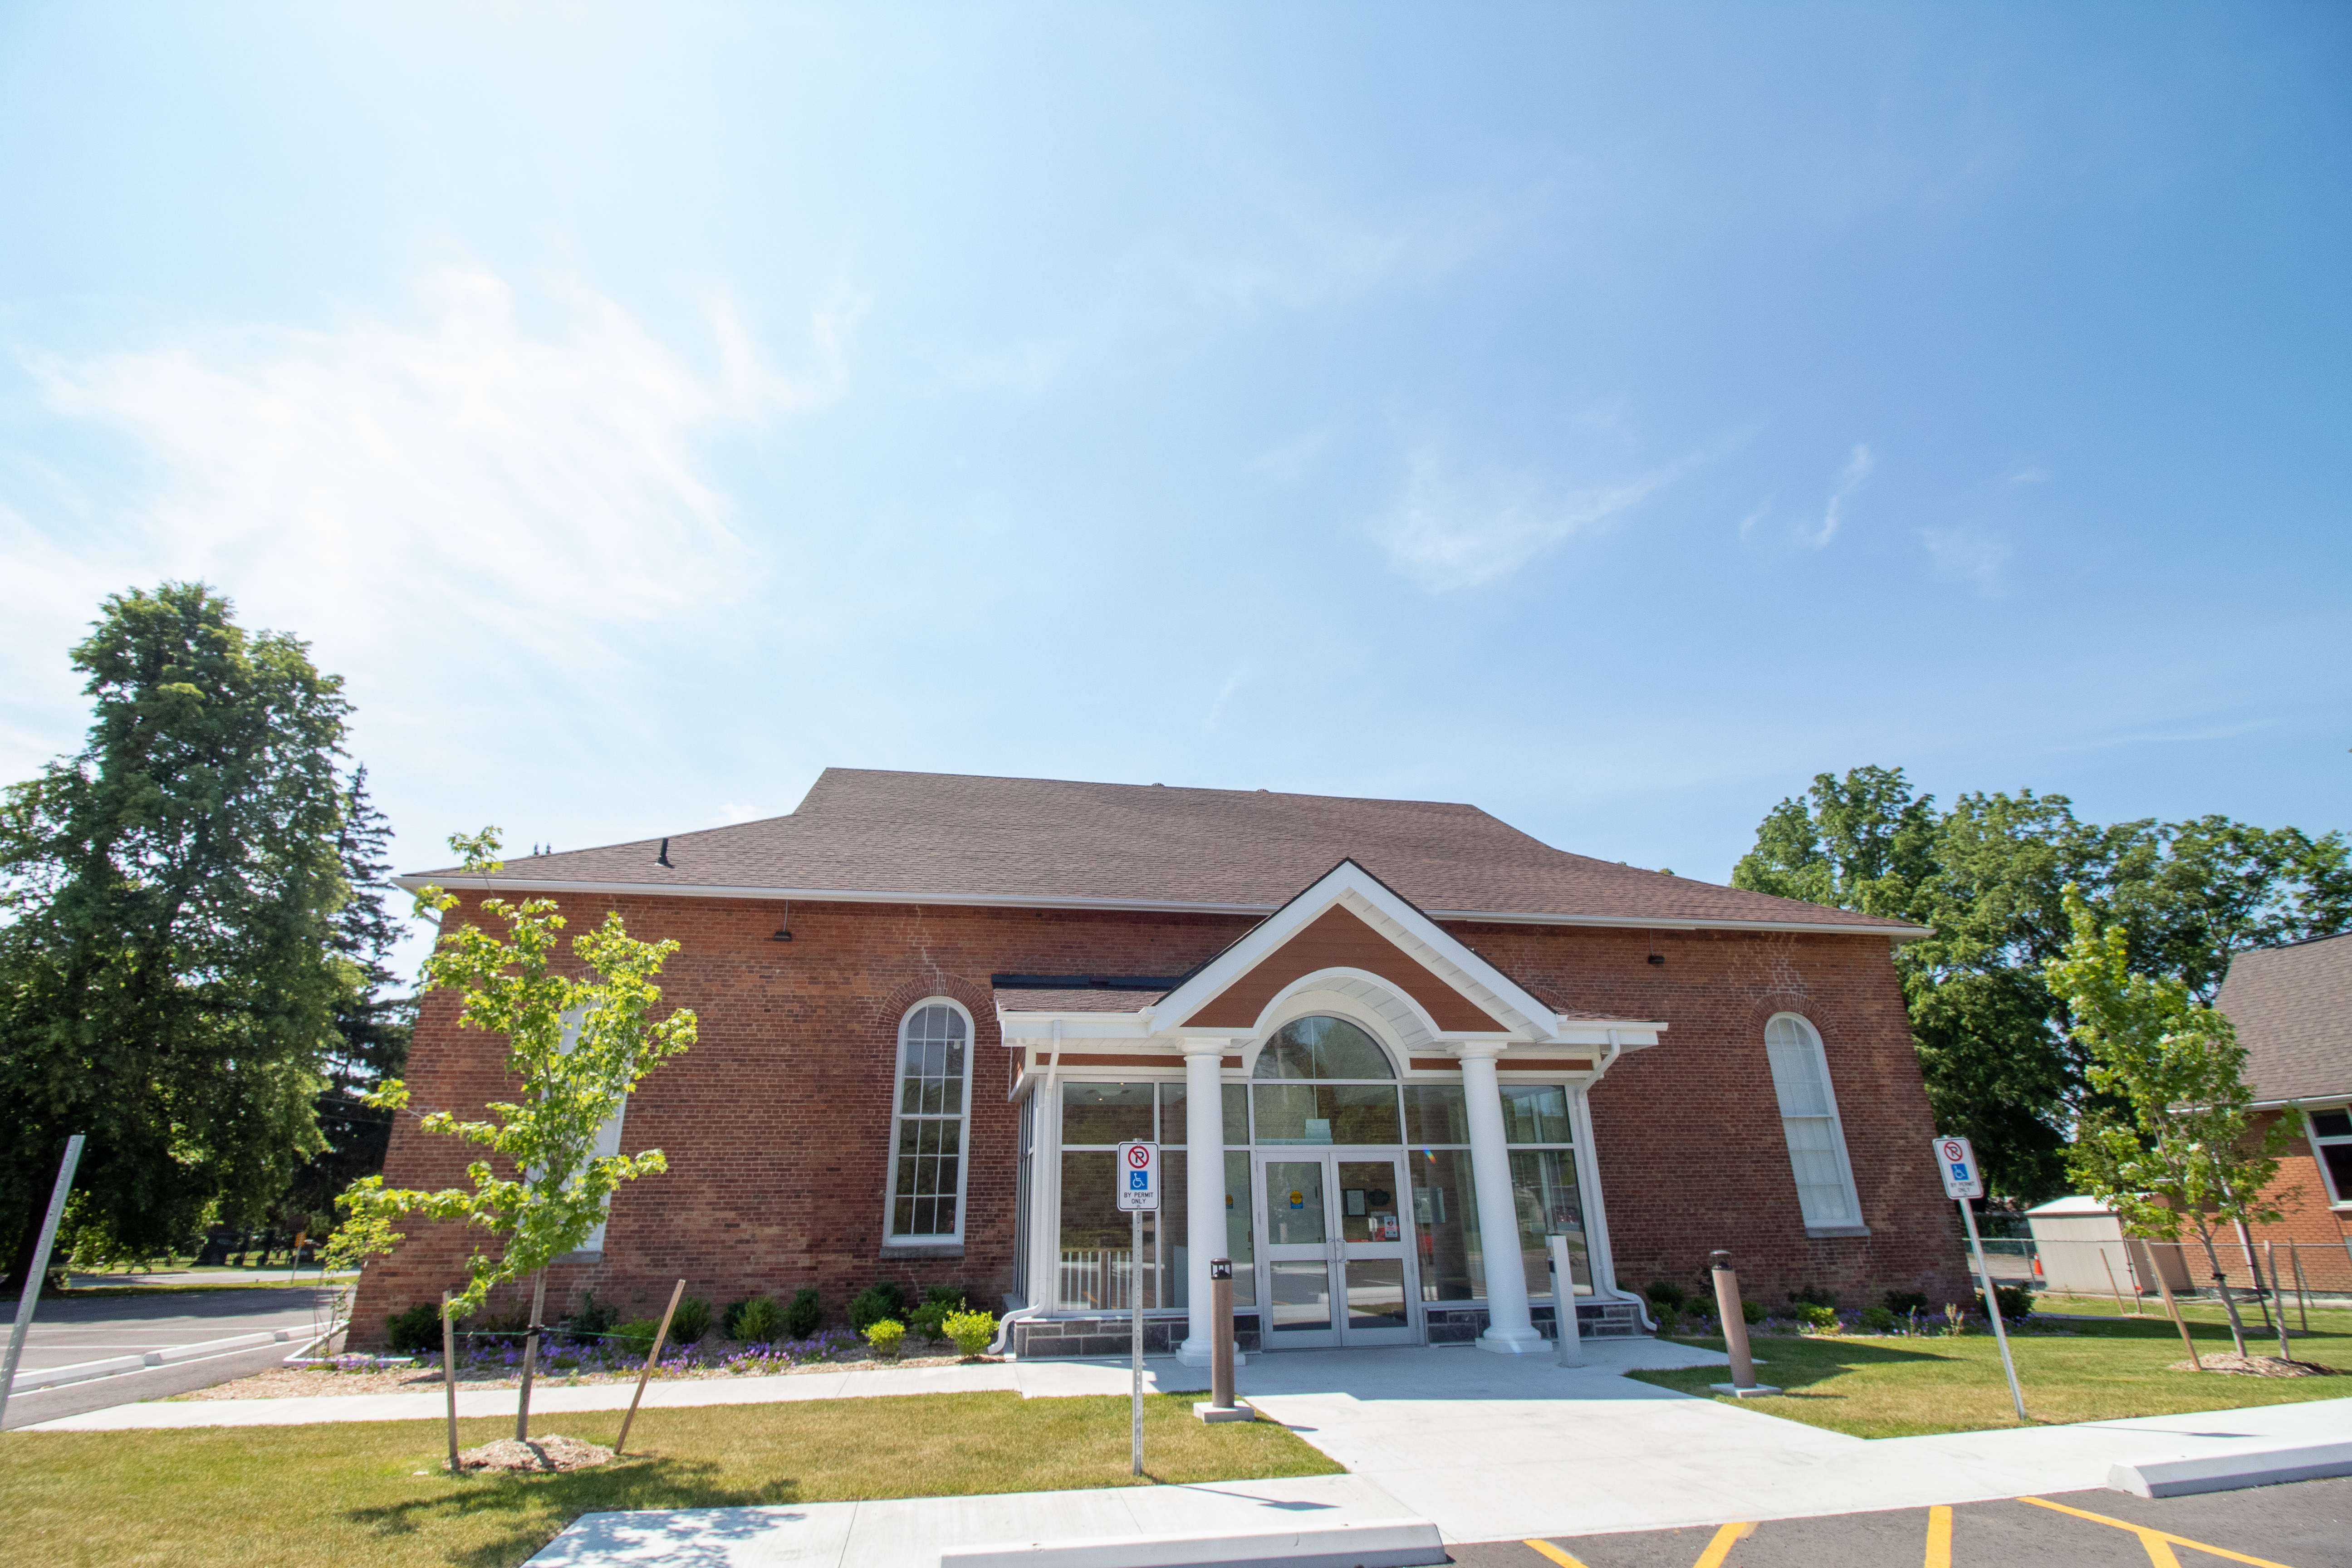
1204,1191
1509,1330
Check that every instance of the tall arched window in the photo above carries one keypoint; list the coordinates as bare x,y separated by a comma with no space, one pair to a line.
927,1164
1808,1117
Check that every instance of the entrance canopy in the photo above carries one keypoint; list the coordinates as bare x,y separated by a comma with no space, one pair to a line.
1348,936
1388,1099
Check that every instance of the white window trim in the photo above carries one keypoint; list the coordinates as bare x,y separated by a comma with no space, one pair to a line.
1837,1130
894,1243
2311,1140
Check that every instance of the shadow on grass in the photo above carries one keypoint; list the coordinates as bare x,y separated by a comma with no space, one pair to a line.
528,1511
1794,1364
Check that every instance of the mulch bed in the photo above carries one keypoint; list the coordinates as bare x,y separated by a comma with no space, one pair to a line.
292,1382
542,1455
2256,1366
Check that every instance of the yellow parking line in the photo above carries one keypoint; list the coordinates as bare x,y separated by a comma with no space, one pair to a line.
2159,1543
1721,1547
1547,1548
1939,1537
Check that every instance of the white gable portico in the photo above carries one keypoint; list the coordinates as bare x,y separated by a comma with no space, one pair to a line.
1375,1123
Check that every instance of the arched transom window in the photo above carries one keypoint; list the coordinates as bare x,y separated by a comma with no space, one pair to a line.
1808,1117
926,1163
1331,1083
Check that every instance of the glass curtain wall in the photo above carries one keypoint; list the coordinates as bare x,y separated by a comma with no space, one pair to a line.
1295,1102
1445,1200
1098,1272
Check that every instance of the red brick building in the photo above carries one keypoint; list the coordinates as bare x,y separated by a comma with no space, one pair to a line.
2290,1006
931,1005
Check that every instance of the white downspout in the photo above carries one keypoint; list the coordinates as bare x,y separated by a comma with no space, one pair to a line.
1037,1192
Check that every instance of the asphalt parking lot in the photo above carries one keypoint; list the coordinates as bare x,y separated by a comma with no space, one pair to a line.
68,1332
2305,1524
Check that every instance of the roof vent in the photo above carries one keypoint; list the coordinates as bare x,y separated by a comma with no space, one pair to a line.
663,859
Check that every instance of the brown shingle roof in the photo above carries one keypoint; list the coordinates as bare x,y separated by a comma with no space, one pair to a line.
2292,1009
949,839
1027,999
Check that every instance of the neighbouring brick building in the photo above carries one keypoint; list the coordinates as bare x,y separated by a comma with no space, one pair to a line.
931,1005
2290,1006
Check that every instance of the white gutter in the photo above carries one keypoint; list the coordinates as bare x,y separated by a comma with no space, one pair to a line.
1053,1076
1145,906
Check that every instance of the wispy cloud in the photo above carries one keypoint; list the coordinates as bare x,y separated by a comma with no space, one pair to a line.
544,482
1239,678
1450,532
1968,555
1851,478
1748,524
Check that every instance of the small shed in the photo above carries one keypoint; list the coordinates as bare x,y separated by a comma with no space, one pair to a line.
2077,1241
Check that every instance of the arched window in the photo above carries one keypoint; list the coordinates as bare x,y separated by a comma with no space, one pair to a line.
927,1164
1304,1104
1323,1048
1808,1117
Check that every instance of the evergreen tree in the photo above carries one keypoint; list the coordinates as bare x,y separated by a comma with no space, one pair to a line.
168,964
372,1025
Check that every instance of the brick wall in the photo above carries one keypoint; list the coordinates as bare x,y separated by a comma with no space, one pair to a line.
776,1124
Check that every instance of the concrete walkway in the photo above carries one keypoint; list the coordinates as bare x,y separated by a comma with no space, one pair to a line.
912,1532
1031,1379
1491,1448
1487,1447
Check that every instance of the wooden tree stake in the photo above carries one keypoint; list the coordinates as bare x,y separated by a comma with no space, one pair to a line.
660,1335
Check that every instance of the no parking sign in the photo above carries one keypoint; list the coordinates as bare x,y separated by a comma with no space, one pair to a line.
1138,1177
1958,1164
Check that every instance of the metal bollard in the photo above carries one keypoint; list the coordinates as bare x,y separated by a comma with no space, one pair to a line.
1220,1405
1743,1384
1563,1296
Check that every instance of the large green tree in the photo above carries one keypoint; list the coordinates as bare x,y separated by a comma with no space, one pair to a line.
374,1021
1990,875
169,970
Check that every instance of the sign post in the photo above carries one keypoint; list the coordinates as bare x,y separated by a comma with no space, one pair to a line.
1137,1173
32,1296
1956,1161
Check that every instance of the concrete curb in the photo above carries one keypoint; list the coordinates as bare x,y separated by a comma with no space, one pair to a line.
1366,1543
2180,1478
82,1372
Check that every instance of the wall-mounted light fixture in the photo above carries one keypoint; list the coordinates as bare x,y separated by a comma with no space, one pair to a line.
784,928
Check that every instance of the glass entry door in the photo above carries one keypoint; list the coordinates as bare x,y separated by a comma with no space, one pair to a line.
1336,1265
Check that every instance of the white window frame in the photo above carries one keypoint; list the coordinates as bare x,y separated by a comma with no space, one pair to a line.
2337,1200
1812,1037
891,1240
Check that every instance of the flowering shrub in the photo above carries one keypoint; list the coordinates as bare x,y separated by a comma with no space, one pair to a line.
970,1331
886,1335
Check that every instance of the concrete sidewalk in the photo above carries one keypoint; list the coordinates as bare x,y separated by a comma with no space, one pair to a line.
1493,1449
1031,1379
1487,1447
912,1532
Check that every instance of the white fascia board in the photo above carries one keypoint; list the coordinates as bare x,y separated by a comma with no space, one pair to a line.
461,882
1627,1035
1309,905
1023,1026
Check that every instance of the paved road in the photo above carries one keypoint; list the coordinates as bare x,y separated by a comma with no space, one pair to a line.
65,1333
2307,1524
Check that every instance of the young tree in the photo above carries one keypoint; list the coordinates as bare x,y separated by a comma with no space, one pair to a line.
167,898
577,1048
2184,1148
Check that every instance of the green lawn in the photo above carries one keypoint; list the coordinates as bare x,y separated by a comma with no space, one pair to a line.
2324,1319
348,1493
2099,1372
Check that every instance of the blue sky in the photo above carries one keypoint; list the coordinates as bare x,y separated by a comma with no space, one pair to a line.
1609,416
